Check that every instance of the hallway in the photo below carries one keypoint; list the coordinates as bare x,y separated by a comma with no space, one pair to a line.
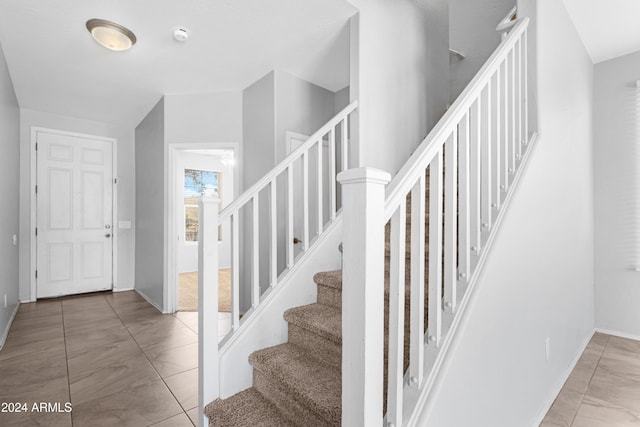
115,358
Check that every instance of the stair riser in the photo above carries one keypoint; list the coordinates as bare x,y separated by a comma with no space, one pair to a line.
288,405
330,296
321,348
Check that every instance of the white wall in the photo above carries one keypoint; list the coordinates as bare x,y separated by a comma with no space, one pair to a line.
538,280
472,31
617,191
9,175
150,206
188,251
125,186
400,99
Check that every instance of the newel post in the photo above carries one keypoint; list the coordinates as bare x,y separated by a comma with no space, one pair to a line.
363,197
208,376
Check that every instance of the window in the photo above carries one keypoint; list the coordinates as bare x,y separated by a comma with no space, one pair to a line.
197,183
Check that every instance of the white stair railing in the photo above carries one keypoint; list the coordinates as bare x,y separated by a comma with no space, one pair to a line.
470,162
242,217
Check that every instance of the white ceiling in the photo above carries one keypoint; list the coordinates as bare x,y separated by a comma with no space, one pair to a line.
608,28
57,67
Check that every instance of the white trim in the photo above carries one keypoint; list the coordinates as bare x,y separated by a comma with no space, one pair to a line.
170,282
33,180
5,333
124,289
555,390
149,300
618,334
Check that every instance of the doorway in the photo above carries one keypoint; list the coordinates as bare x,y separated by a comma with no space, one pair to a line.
74,199
194,171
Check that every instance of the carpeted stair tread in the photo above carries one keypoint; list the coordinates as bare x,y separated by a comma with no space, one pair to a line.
331,279
314,384
248,408
320,319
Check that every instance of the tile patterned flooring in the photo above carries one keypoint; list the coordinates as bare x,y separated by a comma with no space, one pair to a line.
603,389
113,356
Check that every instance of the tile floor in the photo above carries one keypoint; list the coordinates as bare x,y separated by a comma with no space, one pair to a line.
603,389
112,356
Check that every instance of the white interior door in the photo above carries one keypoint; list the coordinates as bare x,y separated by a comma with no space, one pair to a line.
74,215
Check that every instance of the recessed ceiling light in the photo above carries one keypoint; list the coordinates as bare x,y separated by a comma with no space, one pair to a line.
111,35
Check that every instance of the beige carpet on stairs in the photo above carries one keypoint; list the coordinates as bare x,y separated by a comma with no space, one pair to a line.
188,291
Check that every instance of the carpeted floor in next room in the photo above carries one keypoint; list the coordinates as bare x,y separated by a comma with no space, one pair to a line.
188,291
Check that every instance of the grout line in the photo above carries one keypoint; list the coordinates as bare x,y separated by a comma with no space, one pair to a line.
66,359
151,363
573,419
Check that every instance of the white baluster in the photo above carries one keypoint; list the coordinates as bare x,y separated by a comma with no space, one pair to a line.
255,273
496,100
290,236
526,86
305,199
320,192
475,138
363,295
208,375
396,316
416,349
332,174
486,156
274,235
519,138
345,146
435,250
464,202
451,222
235,271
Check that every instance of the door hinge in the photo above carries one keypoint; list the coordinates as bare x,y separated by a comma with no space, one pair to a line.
36,274
36,231
115,180
36,189
36,146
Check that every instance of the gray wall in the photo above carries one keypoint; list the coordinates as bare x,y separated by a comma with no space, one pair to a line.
204,117
400,99
538,279
9,176
617,192
150,206
472,31
126,188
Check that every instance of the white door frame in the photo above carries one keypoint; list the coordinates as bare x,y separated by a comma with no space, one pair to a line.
170,285
33,180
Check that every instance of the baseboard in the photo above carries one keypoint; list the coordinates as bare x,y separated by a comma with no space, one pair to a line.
124,289
563,378
149,300
5,333
618,334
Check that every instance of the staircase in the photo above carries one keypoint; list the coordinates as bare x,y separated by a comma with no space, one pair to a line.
298,383
414,248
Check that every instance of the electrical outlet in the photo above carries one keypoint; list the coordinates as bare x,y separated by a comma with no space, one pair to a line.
547,349
5,300
15,240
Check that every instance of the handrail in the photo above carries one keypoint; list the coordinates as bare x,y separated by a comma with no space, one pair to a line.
459,182
285,163
404,180
508,21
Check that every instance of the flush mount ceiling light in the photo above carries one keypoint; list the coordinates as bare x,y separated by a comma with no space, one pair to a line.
111,35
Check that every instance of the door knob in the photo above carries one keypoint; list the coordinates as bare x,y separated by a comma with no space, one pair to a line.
107,235
296,241
108,226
